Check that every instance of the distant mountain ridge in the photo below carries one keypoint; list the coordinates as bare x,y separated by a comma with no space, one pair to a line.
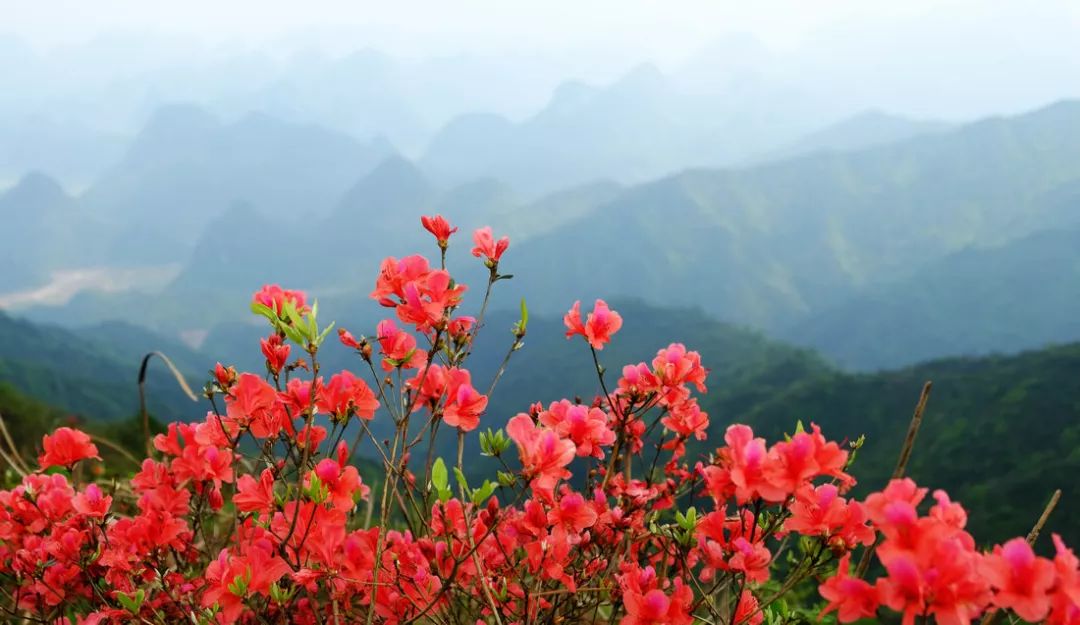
93,372
1019,295
186,167
779,246
783,241
870,128
181,173
637,128
44,229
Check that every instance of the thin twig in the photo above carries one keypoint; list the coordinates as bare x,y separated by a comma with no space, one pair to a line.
15,460
913,431
901,465
1032,536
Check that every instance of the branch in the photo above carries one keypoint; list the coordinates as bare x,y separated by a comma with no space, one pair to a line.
1032,536
901,466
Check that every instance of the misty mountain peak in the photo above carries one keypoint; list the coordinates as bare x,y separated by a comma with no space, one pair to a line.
35,190
394,186
395,172
868,128
180,117
172,126
645,77
239,214
570,95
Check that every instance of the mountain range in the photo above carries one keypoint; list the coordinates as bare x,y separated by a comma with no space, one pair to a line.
871,255
186,167
1006,298
642,126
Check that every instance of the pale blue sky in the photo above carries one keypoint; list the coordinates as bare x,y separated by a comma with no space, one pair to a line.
663,30
951,59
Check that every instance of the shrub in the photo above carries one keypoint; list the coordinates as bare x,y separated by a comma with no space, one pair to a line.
257,514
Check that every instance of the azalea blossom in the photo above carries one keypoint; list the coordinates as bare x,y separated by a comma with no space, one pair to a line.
65,447
398,347
345,395
586,426
598,327
487,246
439,227
464,404
850,597
544,454
1020,579
274,297
276,352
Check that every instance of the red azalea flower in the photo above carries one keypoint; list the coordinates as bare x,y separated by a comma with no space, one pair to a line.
276,352
274,297
346,394
601,324
464,404
1020,579
65,447
439,227
487,246
543,453
850,597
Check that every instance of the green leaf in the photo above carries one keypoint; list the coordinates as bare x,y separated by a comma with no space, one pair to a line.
317,491
482,494
263,310
289,312
462,482
439,475
279,595
524,315
294,335
493,443
133,602
239,585
322,336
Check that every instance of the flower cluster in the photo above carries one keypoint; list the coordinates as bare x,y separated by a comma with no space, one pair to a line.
933,568
605,510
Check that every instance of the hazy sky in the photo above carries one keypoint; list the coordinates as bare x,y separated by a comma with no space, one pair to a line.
411,26
953,59
610,29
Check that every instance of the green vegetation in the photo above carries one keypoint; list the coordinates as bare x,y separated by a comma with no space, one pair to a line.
1000,433
94,372
120,443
